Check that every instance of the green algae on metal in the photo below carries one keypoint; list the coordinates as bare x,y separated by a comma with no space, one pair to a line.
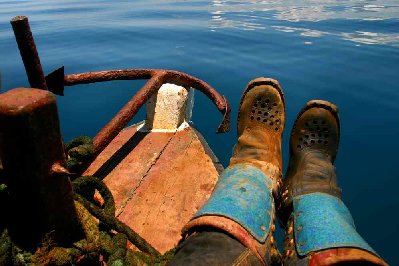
80,151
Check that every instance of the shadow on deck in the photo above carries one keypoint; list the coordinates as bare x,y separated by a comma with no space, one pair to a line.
158,180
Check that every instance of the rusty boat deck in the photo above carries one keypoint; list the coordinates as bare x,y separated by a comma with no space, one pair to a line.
158,180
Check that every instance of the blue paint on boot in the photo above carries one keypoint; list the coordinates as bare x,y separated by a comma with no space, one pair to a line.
243,194
322,221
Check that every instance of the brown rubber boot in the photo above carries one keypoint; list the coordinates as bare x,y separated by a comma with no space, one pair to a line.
313,148
319,227
260,126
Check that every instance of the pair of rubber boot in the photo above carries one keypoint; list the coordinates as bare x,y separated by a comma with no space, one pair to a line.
236,224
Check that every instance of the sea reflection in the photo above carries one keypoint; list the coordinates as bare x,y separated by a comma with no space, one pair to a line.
260,15
220,19
372,38
363,37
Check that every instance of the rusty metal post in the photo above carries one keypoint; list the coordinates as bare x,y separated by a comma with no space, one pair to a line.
27,48
31,151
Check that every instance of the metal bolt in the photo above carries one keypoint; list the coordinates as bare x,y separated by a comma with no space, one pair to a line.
288,253
290,230
263,228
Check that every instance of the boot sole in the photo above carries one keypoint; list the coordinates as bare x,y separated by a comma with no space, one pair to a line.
332,108
259,82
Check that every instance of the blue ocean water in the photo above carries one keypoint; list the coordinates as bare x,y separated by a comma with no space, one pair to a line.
344,51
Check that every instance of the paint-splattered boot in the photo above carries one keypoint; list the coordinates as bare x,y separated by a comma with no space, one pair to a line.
319,229
236,225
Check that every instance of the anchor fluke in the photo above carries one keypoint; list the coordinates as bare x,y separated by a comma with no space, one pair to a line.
55,81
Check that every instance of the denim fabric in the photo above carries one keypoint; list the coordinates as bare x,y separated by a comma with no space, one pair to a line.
210,248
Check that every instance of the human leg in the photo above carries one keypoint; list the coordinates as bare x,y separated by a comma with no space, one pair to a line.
319,229
240,212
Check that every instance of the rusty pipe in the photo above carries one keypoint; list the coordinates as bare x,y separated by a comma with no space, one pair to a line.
29,54
157,78
120,120
172,76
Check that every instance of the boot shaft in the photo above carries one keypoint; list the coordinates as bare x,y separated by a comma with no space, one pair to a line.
319,229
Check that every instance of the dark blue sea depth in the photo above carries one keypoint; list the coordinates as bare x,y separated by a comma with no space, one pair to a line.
344,51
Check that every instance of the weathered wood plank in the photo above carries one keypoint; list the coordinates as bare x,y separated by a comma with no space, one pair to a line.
158,180
174,189
126,162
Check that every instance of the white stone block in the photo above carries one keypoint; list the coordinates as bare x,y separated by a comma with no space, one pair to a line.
170,108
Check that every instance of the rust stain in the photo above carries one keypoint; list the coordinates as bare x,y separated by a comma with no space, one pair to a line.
124,175
337,256
56,81
32,154
29,54
156,77
23,101
158,180
120,140
174,188
157,142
